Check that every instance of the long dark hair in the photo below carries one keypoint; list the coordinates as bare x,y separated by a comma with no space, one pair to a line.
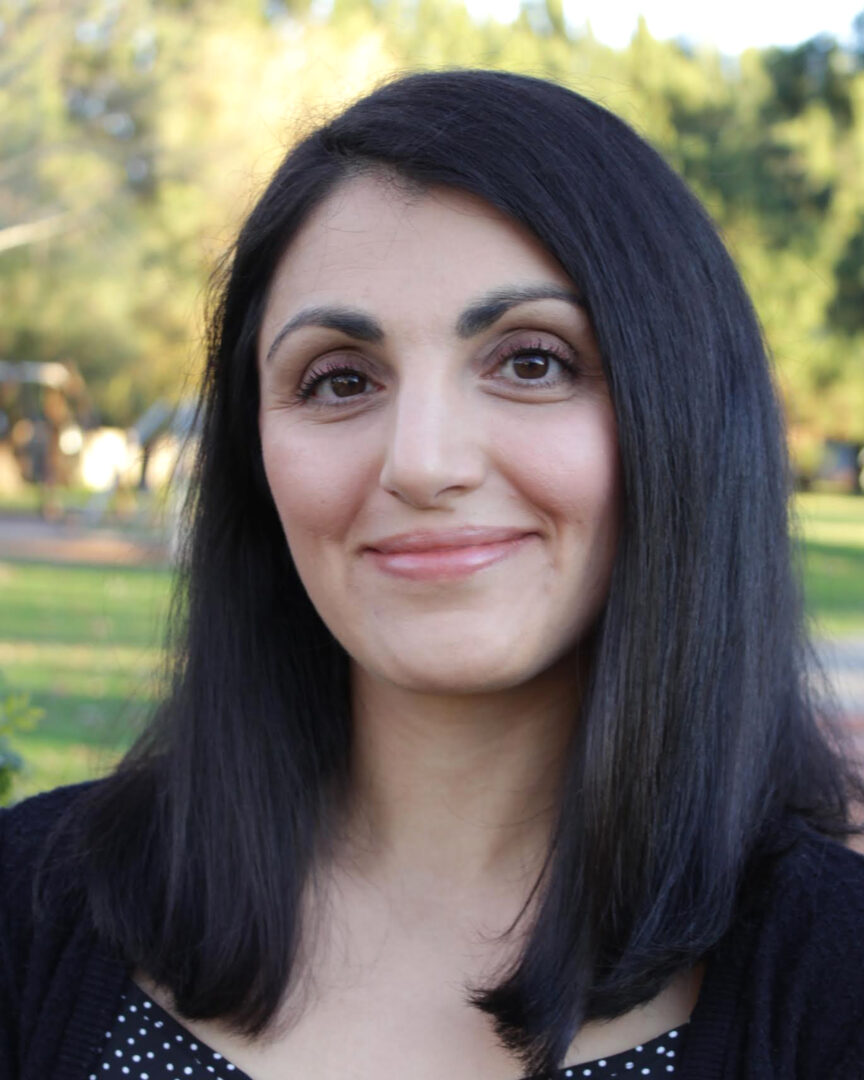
696,737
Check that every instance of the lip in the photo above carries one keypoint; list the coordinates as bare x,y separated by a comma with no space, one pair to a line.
445,539
441,554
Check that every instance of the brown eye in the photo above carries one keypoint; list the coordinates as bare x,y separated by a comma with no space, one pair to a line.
530,366
348,384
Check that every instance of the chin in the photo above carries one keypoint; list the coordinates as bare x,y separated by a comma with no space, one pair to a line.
458,675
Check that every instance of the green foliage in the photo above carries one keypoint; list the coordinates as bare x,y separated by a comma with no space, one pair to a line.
847,308
16,715
813,71
135,133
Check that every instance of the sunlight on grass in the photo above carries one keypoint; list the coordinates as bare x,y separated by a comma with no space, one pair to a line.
49,763
88,670
831,519
85,643
832,530
819,506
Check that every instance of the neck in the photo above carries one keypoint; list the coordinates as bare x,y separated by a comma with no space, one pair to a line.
457,792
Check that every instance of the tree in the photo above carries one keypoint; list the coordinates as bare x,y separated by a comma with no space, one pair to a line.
134,133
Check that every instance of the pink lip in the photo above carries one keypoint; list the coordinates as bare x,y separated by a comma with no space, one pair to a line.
447,553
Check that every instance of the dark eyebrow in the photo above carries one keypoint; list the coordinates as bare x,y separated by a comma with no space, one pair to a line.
348,321
489,308
475,318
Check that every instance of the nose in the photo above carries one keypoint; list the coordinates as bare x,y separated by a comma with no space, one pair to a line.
434,445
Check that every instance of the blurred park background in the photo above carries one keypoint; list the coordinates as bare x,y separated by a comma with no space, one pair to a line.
134,135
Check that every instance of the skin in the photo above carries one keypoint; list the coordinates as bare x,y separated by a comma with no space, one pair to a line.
464,687
443,435
453,680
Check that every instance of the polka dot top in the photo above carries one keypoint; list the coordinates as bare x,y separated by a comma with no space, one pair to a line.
146,1043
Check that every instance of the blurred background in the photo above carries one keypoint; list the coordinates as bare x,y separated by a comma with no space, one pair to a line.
134,136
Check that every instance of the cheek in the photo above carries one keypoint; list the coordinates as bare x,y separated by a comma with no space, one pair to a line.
569,468
317,485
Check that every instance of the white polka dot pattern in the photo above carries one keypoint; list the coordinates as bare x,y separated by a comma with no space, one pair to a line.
653,1059
146,1043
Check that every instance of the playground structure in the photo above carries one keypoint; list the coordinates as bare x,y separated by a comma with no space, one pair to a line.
50,440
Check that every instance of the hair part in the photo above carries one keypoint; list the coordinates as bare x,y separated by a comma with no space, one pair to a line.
696,737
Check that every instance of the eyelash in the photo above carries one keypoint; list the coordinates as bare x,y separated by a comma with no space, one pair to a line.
313,380
306,390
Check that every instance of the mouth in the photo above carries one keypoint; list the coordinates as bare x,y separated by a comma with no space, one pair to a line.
445,554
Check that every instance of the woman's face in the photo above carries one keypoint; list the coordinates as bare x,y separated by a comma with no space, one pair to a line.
438,437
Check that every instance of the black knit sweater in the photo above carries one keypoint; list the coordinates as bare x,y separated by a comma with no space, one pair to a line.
782,997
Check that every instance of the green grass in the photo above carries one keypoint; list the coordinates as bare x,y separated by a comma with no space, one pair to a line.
832,527
84,642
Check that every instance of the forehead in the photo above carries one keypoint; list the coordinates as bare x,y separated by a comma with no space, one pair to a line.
377,244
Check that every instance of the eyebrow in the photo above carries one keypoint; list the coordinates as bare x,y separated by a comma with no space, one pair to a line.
478,316
348,321
488,309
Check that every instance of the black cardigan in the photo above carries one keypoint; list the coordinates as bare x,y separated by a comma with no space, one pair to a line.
782,997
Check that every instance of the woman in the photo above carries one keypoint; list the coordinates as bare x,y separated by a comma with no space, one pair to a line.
488,751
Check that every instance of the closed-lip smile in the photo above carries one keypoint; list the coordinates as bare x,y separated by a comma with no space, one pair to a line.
438,539
439,554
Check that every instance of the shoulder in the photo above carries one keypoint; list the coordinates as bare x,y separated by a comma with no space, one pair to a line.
809,960
816,888
26,828
805,920
785,988
42,906
35,844
58,983
34,814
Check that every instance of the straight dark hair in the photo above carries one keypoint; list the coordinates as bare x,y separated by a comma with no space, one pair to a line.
696,737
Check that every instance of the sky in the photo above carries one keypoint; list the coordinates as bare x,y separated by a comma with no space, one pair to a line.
730,26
